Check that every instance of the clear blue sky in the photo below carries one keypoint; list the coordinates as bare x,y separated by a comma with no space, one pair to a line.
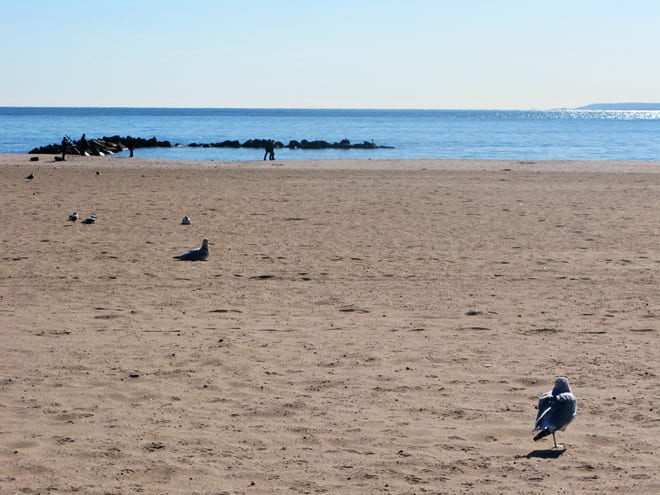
496,54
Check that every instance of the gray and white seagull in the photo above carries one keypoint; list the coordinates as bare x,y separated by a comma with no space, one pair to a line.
557,409
199,254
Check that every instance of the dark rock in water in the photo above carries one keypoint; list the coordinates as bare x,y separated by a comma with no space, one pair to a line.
344,144
51,149
223,144
260,143
313,145
138,142
101,147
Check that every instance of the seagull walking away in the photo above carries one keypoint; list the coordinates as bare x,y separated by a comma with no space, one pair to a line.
557,409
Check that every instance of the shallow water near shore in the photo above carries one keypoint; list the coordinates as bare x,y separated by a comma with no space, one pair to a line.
413,134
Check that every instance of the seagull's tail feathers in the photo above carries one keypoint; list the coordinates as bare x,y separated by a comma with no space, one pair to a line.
542,434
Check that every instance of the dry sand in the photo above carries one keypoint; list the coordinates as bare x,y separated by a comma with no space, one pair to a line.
360,326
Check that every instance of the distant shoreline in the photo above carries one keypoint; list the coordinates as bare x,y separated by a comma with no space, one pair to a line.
620,106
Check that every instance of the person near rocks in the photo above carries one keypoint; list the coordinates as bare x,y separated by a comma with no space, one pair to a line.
65,147
270,149
82,145
131,145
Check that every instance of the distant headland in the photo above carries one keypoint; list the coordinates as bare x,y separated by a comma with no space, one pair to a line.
621,106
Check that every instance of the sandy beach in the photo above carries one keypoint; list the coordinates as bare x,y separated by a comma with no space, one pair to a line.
360,326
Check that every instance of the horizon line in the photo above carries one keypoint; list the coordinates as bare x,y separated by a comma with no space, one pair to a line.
620,105
289,108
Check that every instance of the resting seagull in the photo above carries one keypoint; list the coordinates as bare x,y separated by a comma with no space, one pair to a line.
557,409
199,254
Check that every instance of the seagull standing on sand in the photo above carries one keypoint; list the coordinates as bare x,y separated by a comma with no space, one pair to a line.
198,254
89,220
557,409
73,217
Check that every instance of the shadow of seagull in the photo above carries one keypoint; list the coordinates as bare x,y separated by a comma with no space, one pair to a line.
546,454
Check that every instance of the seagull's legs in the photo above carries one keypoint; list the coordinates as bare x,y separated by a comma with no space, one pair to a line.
557,446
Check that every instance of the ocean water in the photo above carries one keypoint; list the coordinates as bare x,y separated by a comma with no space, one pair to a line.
469,134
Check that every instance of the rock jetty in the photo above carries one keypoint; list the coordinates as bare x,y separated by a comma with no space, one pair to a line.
107,145
114,144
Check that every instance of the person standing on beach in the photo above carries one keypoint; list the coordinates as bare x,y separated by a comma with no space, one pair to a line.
131,145
82,145
270,149
65,147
